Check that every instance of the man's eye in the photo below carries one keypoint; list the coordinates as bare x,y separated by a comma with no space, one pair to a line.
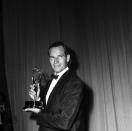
59,57
51,58
56,58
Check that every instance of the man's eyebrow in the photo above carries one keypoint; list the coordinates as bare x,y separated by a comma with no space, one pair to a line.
51,56
58,55
61,55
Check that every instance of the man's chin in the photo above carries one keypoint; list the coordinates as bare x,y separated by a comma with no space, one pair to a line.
57,71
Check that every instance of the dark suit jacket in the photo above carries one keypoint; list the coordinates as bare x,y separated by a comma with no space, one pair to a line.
64,110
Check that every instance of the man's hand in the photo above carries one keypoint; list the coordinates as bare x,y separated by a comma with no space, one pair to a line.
34,95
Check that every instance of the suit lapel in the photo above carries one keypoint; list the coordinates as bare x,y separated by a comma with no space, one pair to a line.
58,86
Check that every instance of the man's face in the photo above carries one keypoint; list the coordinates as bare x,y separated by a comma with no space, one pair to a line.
58,58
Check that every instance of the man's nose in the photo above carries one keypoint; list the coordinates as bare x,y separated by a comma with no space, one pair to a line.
56,60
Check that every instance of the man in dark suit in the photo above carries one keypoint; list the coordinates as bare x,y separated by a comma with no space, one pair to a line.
62,97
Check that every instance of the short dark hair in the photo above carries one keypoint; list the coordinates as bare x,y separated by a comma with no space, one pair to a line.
59,43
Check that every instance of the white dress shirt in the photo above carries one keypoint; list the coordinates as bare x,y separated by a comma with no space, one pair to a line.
54,82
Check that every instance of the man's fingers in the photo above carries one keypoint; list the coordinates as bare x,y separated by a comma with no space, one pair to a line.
32,93
31,87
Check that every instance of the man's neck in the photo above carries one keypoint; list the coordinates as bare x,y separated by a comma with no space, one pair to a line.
62,72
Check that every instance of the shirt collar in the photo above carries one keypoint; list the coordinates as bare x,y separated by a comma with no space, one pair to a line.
62,72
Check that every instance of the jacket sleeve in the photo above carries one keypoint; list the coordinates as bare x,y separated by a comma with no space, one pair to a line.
67,108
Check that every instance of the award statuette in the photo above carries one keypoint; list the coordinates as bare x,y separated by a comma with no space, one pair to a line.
38,79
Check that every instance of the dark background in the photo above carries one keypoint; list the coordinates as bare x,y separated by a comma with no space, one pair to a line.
100,32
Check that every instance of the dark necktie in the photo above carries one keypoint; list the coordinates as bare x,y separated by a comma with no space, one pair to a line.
54,76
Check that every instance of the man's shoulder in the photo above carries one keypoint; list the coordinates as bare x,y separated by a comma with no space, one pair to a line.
73,77
69,75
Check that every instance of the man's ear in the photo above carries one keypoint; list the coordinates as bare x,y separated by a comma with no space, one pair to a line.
68,57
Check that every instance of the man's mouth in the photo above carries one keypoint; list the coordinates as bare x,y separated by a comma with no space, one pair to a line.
56,66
